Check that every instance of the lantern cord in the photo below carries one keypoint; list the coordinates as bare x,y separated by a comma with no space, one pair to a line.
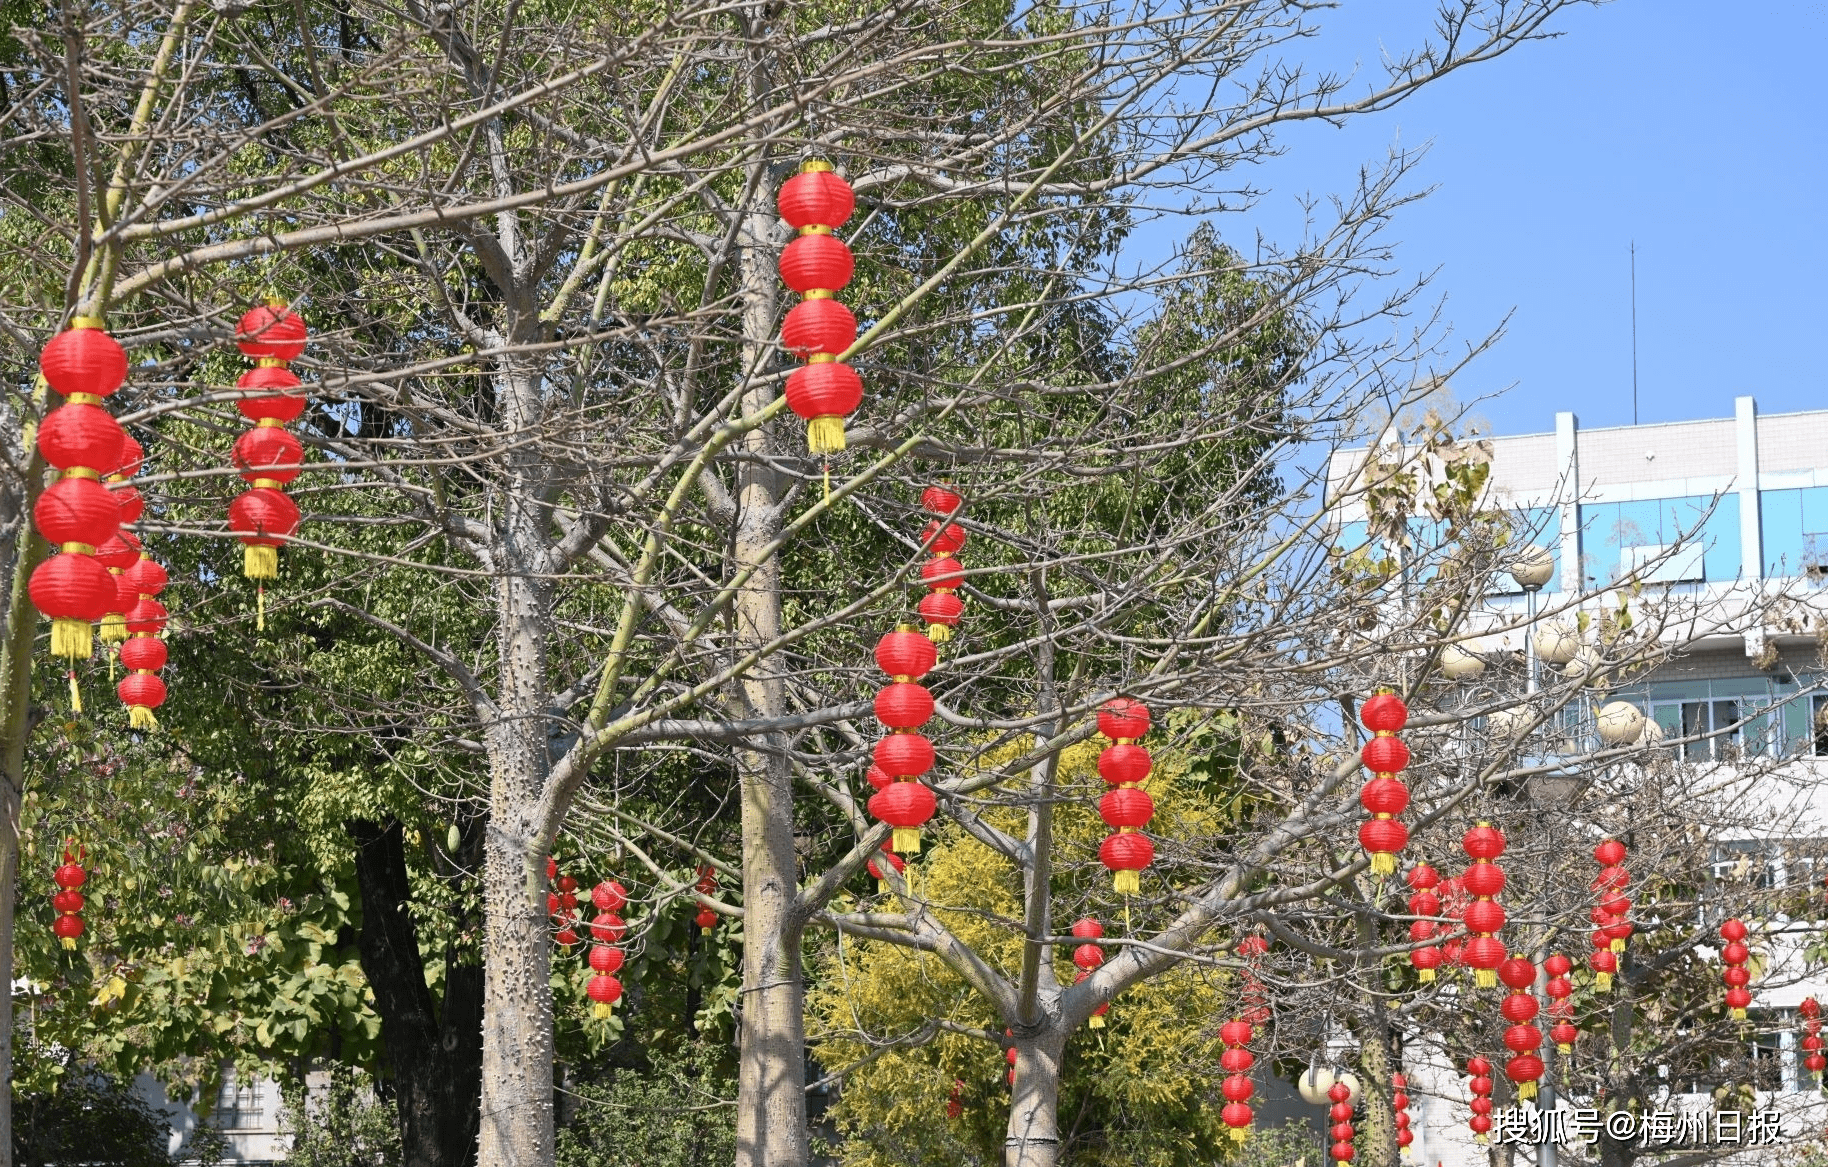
260,607
76,693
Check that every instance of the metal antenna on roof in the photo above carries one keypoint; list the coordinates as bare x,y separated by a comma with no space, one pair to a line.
1634,332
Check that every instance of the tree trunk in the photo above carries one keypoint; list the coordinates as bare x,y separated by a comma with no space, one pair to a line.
771,1084
1033,1138
435,1054
517,1052
1376,1142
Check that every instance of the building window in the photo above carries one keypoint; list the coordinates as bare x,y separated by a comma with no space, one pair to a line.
1818,720
1712,717
238,1107
1745,865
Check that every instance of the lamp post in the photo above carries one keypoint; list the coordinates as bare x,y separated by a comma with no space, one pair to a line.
1532,569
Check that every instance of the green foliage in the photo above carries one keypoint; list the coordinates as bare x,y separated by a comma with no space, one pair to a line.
346,1125
674,1112
89,1118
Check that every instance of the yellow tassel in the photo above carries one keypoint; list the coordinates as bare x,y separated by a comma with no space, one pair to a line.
1602,982
825,435
1739,1015
1485,978
1127,883
69,942
906,840
1239,1133
72,639
1563,1049
76,694
1480,1139
939,633
882,887
258,561
260,608
1383,863
1526,1089
1096,1022
114,628
140,717
599,1010
1426,976
1618,946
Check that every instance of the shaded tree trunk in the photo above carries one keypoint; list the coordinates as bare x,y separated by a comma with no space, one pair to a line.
435,1052
1033,1138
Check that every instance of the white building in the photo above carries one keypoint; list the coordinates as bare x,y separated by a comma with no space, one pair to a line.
1714,520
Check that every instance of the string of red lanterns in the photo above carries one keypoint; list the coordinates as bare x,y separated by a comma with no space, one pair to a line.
1423,879
1384,795
1126,808
68,900
817,264
1237,1087
1342,1131
706,919
143,655
1480,1071
1485,918
604,990
1560,991
78,514
1614,907
941,607
1813,1059
562,905
1522,1038
1399,1103
888,857
1086,958
903,706
1734,955
1454,901
269,455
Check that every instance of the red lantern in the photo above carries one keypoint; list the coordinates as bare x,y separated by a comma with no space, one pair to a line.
818,326
1383,837
1123,719
83,360
146,618
875,777
267,397
1126,806
1557,965
1484,916
822,394
904,755
1384,712
1124,764
817,263
263,518
895,861
942,538
1087,929
941,611
1733,931
609,896
1126,854
941,500
906,806
1238,1117
269,452
141,693
1517,973
77,510
904,705
74,590
81,435
942,572
906,655
1384,796
271,333
1385,755
604,990
608,928
1610,853
1604,964
816,198
605,959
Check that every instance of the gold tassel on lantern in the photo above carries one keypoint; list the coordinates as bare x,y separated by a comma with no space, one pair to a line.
72,639
1526,1089
259,561
1602,982
1097,1022
825,435
1485,978
1426,976
1126,882
140,717
1618,945
939,633
76,693
906,840
600,1011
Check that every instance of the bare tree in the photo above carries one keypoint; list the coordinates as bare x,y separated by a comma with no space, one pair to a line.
542,251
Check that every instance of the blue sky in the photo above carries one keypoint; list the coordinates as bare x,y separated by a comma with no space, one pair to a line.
1688,126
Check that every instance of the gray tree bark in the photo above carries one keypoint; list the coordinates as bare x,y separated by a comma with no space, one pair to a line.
1033,1138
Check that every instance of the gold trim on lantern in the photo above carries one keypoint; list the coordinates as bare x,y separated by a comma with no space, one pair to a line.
815,166
269,483
87,322
815,229
83,472
84,399
271,363
76,548
818,294
270,423
821,358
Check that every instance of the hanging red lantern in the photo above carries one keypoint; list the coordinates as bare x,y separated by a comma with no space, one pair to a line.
1604,965
1128,808
1484,916
706,919
1480,1085
941,607
68,901
943,538
1561,1009
1521,1038
904,755
906,655
75,591
904,705
907,806
83,361
81,434
1399,1105
268,457
893,860
1813,1058
609,896
817,264
118,554
1734,955
1088,957
608,928
875,777
1425,960
941,500
604,990
1384,796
